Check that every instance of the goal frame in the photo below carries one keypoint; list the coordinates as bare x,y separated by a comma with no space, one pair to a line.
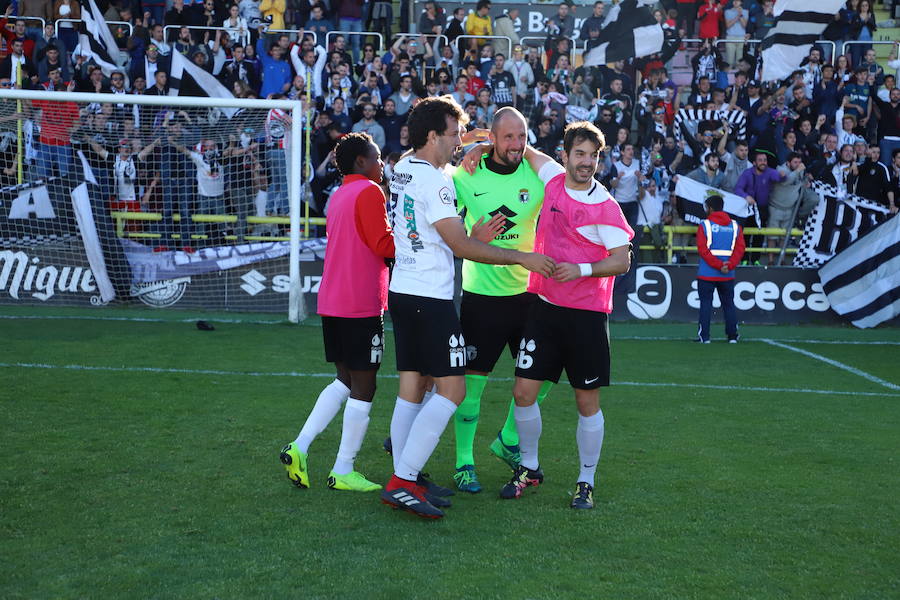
296,305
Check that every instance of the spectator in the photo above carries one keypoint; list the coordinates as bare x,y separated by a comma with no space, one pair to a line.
561,25
404,98
276,72
625,178
874,178
58,120
430,21
709,174
349,14
391,122
721,249
236,26
736,19
826,94
67,9
501,83
505,25
475,82
593,23
710,17
16,61
547,137
755,186
523,76
862,28
485,108
844,173
456,27
785,196
52,61
888,114
318,24
478,22
894,171
369,125
240,69
47,38
857,97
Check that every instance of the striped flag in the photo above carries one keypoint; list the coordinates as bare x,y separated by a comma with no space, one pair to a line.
629,31
798,23
96,39
187,79
692,195
863,281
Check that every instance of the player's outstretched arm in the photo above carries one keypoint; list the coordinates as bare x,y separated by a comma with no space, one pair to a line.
617,263
536,159
454,234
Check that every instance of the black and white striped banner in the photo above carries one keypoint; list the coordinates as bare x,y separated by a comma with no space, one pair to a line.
735,117
798,24
97,40
863,281
629,31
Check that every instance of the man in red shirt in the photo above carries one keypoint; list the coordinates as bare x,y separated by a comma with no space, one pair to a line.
18,32
54,149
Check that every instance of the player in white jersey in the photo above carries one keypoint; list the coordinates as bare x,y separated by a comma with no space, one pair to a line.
428,337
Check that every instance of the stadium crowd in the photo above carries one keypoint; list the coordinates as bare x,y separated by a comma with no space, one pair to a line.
836,118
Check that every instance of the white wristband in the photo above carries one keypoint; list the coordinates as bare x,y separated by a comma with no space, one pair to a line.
586,269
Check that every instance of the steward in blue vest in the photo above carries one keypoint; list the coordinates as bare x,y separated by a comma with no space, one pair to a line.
720,243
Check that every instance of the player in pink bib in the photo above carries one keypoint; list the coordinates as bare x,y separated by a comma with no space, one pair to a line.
583,229
352,299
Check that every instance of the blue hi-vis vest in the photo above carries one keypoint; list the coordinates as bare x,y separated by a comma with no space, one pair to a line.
721,240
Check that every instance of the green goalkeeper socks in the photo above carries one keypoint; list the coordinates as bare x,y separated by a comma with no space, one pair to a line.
466,419
509,435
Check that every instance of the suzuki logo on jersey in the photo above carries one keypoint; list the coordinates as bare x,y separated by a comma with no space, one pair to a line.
457,351
377,349
253,282
524,360
508,213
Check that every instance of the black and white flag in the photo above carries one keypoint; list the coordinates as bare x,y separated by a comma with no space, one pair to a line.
96,39
863,281
692,195
798,24
836,221
629,31
187,79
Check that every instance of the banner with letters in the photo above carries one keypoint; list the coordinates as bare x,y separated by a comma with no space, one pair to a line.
761,295
836,221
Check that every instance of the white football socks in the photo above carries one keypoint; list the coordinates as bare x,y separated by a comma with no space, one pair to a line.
356,422
424,436
589,436
401,422
327,406
528,422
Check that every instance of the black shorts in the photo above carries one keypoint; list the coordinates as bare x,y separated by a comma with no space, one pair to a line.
491,323
357,343
427,335
558,338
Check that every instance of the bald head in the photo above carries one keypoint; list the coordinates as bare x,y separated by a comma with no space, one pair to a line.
504,114
509,134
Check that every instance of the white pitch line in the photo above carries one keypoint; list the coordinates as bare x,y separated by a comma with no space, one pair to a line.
394,376
388,327
835,363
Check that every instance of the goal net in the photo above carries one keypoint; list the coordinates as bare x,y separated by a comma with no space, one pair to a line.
169,202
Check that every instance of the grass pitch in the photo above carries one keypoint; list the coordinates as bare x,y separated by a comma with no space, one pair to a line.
141,460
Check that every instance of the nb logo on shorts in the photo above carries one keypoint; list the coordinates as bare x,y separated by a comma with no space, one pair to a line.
524,360
377,350
457,351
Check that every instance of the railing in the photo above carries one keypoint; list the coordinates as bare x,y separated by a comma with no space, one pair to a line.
362,34
123,217
293,33
672,230
110,24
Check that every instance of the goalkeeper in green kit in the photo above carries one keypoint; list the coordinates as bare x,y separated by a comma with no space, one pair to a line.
494,301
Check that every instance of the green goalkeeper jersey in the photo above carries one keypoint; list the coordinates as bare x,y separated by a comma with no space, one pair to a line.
518,196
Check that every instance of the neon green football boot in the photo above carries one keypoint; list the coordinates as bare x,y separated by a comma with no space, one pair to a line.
352,482
295,464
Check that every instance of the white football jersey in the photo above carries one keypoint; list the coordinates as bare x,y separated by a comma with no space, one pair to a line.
421,195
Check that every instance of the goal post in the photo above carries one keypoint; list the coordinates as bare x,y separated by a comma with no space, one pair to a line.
196,191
